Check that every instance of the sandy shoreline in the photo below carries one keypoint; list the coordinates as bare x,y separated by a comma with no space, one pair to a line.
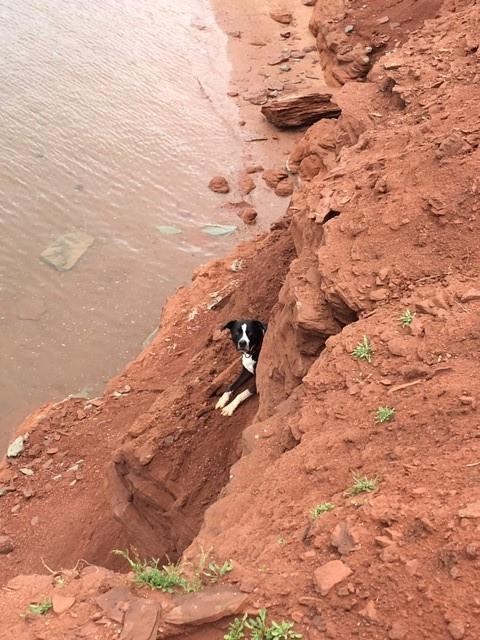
255,42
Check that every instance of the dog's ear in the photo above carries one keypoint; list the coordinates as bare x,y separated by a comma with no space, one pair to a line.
262,326
229,325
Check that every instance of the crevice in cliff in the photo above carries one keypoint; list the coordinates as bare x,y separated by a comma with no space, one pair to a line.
177,456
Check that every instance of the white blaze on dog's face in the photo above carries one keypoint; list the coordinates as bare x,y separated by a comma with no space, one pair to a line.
244,342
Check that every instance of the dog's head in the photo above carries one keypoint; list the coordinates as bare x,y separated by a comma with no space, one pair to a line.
247,335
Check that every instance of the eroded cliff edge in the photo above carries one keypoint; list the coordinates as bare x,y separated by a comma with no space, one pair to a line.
384,220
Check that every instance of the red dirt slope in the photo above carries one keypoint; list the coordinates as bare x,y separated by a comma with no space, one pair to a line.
384,220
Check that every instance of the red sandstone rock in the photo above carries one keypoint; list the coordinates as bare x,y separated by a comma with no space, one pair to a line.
219,184
246,184
284,188
248,215
273,176
300,110
330,574
343,538
213,603
310,166
61,603
284,17
6,545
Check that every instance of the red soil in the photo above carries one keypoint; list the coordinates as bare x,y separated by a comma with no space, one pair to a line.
384,219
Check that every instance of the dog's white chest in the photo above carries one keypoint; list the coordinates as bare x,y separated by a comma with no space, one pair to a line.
248,362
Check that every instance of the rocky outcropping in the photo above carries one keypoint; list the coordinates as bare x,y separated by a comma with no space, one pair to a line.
346,493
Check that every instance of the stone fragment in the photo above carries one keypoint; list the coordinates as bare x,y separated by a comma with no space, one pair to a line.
472,510
369,612
64,252
391,62
219,184
329,575
257,98
61,603
26,471
343,538
209,605
273,176
6,545
141,620
469,295
284,188
310,166
16,447
283,56
246,184
248,215
376,295
456,629
399,346
301,110
281,16
113,603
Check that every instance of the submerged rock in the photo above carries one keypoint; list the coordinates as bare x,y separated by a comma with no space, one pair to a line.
64,252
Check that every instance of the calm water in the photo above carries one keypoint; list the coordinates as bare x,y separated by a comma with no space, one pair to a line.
113,117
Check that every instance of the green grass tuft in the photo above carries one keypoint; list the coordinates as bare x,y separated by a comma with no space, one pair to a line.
321,508
167,578
362,484
213,572
407,317
363,350
259,629
384,414
40,608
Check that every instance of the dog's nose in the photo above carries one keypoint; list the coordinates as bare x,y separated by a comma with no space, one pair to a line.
242,344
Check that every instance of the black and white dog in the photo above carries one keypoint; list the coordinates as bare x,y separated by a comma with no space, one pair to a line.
247,336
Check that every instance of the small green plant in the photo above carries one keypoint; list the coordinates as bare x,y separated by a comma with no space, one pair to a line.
321,508
40,608
258,625
214,571
236,630
384,414
362,484
166,578
407,317
282,631
259,629
363,350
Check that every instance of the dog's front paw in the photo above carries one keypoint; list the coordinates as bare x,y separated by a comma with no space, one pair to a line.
229,409
222,401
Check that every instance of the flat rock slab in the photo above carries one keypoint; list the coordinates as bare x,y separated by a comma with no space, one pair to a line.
300,110
209,605
330,574
113,603
64,252
62,603
141,620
